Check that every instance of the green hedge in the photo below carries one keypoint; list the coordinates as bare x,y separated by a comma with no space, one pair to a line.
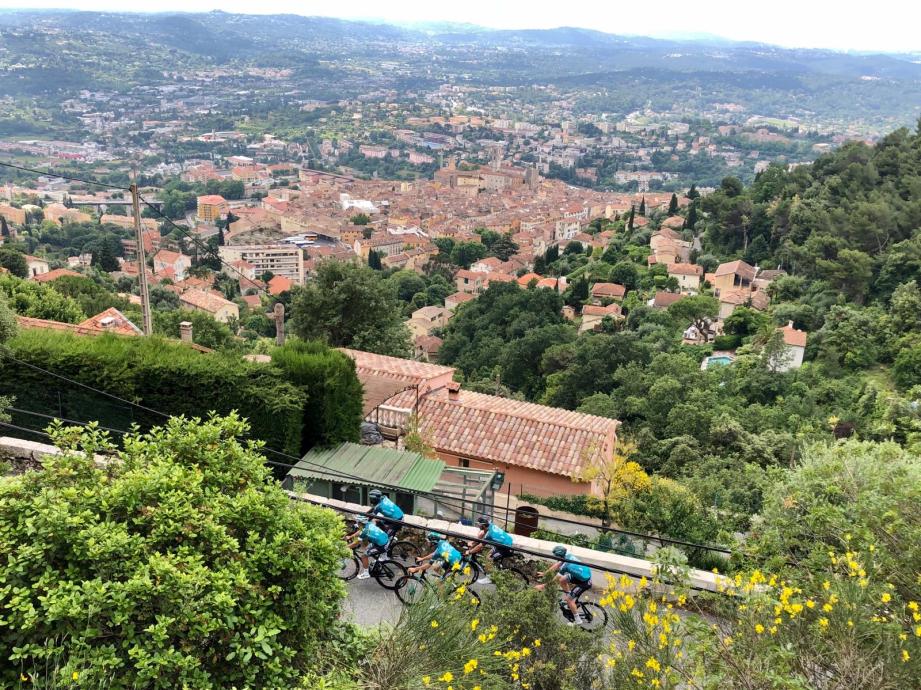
727,342
334,393
156,373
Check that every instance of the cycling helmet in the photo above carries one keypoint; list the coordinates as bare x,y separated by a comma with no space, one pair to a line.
483,521
433,537
361,520
374,496
559,551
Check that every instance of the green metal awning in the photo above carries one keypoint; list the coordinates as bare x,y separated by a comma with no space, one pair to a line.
373,464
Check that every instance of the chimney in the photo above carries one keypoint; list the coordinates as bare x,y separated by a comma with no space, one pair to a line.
789,324
185,331
453,390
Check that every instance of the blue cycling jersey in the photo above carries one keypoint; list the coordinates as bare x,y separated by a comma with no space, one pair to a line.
375,534
447,554
576,570
387,508
498,536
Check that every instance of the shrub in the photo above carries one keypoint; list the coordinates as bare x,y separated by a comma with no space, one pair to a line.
179,564
40,301
333,411
162,375
907,368
727,342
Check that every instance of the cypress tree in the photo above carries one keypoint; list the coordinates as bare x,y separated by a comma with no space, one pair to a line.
643,206
673,205
374,260
692,216
630,218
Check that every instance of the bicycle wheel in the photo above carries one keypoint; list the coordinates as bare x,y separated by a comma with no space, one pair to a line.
410,589
593,616
348,568
403,551
388,573
470,573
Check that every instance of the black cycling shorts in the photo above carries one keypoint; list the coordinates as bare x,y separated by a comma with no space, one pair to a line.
579,587
500,552
373,550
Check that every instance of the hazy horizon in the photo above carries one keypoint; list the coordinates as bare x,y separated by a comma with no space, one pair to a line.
842,26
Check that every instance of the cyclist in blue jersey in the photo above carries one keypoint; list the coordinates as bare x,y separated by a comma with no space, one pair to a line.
383,508
498,539
574,578
444,555
376,540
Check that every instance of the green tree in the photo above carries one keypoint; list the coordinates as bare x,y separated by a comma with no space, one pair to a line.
360,219
907,368
625,273
691,221
232,585
206,330
349,305
374,260
14,261
104,258
673,205
698,310
642,209
465,253
504,248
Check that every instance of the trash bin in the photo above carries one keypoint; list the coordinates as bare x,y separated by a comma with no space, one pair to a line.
526,520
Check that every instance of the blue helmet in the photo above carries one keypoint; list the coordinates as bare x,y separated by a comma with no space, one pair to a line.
559,551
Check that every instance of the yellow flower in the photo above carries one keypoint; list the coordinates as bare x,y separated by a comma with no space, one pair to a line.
918,631
477,687
470,666
913,605
759,628
886,597
905,655
475,622
826,585
727,641
74,675
537,643
24,678
827,607
653,664
823,622
426,680
631,644
434,624
447,677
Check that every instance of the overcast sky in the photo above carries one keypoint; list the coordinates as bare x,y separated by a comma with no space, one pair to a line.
883,25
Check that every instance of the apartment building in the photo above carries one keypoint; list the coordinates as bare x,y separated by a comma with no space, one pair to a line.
285,260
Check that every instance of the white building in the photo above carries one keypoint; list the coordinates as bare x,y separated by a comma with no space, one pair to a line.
281,259
795,347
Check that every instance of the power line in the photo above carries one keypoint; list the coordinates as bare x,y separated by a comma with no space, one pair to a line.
88,387
50,173
337,474
198,243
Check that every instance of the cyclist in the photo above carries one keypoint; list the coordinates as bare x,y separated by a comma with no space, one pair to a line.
444,555
385,508
376,540
498,539
574,578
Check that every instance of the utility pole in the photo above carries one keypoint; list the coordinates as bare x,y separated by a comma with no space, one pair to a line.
142,259
279,312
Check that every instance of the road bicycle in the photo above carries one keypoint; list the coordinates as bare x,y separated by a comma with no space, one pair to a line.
413,588
594,617
386,571
506,564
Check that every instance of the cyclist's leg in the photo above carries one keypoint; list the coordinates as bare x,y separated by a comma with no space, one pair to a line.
568,587
578,589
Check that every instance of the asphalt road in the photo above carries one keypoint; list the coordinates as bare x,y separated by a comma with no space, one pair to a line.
368,604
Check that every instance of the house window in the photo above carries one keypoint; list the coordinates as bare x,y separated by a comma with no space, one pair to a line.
464,462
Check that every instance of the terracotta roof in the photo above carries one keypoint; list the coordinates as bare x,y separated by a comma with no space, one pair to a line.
608,290
280,284
113,321
394,367
793,336
205,301
212,199
736,267
506,431
610,310
54,274
527,278
666,299
253,301
685,270
460,297
673,222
